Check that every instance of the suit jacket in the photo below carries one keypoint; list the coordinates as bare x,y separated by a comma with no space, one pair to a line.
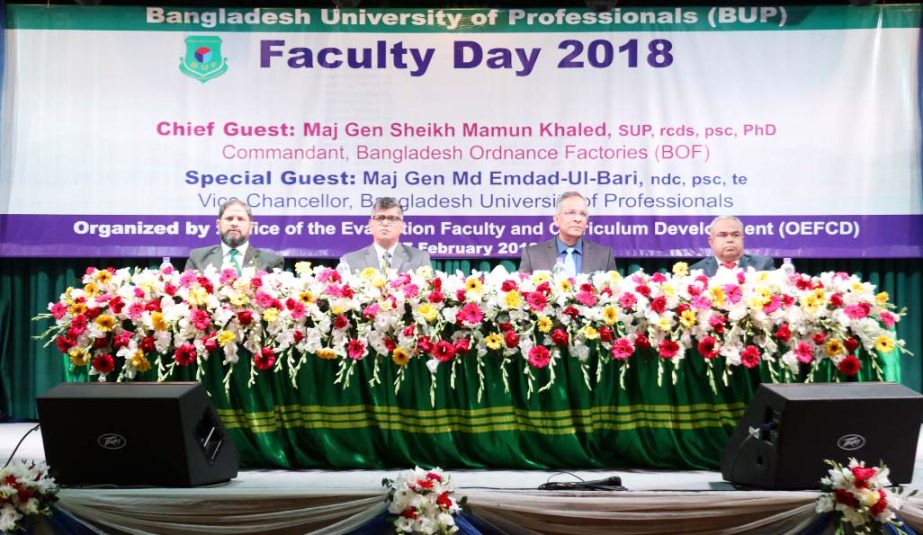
543,256
261,259
406,258
758,263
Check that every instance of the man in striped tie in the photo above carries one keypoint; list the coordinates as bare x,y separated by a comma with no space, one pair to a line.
234,223
726,238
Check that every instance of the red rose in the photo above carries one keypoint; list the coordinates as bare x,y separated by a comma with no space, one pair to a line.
169,289
559,337
298,335
659,304
849,365
424,344
668,349
64,343
783,333
245,317
93,312
116,304
851,344
435,297
508,285
462,345
819,339
147,344
642,341
340,322
511,339
264,359
460,295
836,300
605,334
101,343
390,344
643,289
571,311
505,326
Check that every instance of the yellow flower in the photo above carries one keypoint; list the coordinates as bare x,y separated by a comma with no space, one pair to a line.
79,356
105,322
610,314
668,290
270,315
544,324
198,295
326,353
336,310
834,347
764,294
493,341
225,338
513,299
140,362
590,333
368,273
473,285
882,298
400,357
884,344
91,289
158,322
564,285
857,287
762,276
302,268
717,295
539,278
78,308
688,318
664,324
681,269
102,276
239,299
614,277
428,312
306,297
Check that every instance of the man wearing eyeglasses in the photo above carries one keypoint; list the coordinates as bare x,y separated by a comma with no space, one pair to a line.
726,238
386,252
234,223
569,249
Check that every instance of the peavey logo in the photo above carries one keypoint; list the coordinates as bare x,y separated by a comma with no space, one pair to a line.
850,442
111,441
203,60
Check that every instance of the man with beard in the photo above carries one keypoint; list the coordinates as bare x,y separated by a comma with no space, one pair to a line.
726,238
386,253
234,223
577,255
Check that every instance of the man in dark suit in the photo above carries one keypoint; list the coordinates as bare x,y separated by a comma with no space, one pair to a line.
234,223
386,252
726,238
577,255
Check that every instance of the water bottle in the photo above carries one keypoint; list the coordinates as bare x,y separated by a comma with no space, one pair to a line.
787,267
558,268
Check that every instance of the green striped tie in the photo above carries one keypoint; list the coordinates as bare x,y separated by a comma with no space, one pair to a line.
234,262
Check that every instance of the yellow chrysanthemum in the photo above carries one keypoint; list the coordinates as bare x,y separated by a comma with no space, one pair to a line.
610,314
198,295
857,287
664,324
681,269
539,278
882,298
379,281
400,357
239,299
336,310
493,341
302,268
270,315
306,297
765,295
78,308
225,338
762,276
590,333
368,273
884,344
428,312
140,362
544,324
103,276
564,285
513,299
834,347
473,284
158,322
688,318
68,298
105,322
615,277
91,289
668,290
78,356
326,353
718,296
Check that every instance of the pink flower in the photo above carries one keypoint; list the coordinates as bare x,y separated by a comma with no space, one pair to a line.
200,319
58,310
298,310
701,303
536,301
733,293
804,352
668,349
627,301
263,299
773,305
411,291
187,278
355,349
658,277
329,275
887,318
750,356
622,349
370,311
470,315
135,310
858,311
264,359
586,298
539,357
228,275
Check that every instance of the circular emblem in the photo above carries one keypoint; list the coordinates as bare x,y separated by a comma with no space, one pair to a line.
111,441
850,442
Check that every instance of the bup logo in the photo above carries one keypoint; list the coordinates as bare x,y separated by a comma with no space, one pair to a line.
203,60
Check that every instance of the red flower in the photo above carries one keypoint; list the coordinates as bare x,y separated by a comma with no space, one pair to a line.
539,357
881,504
668,349
819,339
511,339
444,351
460,295
64,343
849,365
836,300
783,333
750,356
116,304
544,288
100,343
265,359
708,347
508,285
435,297
425,345
559,337
443,501
58,310
862,475
505,326
643,289
622,349
104,363
340,322
298,335
659,304
200,319
147,344
355,349
642,341
169,289
536,301
410,512
605,334
185,354
462,345
93,312
845,497
571,311
851,344
121,340
245,317
210,343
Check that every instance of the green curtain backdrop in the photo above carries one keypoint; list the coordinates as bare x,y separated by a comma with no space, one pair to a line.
27,286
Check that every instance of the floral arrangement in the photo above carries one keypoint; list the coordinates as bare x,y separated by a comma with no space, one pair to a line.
26,493
122,323
860,497
421,501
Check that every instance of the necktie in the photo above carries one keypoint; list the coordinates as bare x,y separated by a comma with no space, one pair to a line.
234,262
385,261
729,265
570,263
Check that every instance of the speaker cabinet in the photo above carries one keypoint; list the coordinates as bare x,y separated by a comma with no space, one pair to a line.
150,434
789,429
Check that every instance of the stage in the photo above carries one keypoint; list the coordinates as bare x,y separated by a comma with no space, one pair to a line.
318,501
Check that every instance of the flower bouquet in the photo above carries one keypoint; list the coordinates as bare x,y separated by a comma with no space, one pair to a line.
421,501
861,498
26,493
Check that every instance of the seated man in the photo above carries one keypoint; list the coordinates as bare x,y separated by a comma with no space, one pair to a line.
234,223
577,254
386,252
726,238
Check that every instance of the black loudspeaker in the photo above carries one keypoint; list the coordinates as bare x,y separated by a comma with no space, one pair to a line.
789,429
156,434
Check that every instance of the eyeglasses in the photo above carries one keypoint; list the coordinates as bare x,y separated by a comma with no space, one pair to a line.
382,219
575,213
